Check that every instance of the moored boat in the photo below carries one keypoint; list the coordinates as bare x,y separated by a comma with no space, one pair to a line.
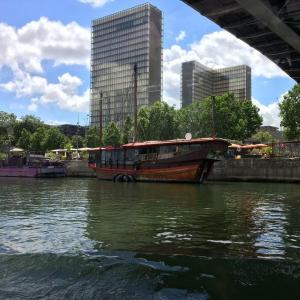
25,164
178,160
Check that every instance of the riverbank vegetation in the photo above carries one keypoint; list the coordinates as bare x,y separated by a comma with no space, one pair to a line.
290,113
221,116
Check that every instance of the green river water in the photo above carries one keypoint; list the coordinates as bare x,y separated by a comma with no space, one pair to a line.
90,239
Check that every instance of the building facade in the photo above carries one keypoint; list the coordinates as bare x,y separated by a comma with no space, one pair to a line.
199,82
120,41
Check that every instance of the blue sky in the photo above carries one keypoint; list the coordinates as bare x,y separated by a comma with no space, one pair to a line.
44,62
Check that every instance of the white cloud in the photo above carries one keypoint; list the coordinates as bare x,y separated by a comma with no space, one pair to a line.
270,112
181,36
215,50
33,106
96,3
64,93
23,50
27,47
56,123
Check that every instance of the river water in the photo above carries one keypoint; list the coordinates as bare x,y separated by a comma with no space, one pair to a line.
90,239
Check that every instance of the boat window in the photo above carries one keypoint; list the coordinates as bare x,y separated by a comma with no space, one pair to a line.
184,148
153,150
114,156
130,155
121,156
167,149
107,156
92,157
143,151
196,147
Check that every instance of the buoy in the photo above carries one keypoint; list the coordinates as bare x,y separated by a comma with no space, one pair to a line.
119,178
131,178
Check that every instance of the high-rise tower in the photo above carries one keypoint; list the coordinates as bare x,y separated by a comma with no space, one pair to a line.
199,82
119,42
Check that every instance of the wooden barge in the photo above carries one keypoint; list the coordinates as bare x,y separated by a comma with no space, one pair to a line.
164,161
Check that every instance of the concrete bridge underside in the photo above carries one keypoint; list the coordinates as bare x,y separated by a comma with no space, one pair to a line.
270,26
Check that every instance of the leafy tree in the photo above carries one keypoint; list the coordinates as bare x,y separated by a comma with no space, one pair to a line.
290,113
127,130
93,138
251,118
7,122
28,122
157,122
112,135
233,119
54,139
24,140
68,145
37,140
77,140
263,136
196,119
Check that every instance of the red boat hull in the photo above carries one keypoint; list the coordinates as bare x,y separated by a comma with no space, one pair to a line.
192,172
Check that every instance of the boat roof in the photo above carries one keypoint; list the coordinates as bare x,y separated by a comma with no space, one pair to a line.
161,143
173,142
254,146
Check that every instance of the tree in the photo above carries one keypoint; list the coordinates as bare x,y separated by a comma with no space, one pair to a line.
233,119
77,140
263,136
7,122
28,122
54,139
127,130
157,122
24,139
112,135
37,140
252,119
194,118
93,138
290,113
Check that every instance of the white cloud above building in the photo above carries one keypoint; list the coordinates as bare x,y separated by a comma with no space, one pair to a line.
181,36
96,3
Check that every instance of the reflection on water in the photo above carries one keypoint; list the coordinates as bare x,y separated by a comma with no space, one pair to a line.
89,239
212,220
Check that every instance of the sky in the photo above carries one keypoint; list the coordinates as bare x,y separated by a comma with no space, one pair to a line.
45,56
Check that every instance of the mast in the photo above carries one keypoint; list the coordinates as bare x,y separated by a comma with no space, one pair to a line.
213,101
135,103
100,117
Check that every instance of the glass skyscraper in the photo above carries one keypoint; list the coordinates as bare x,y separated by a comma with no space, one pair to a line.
120,41
199,82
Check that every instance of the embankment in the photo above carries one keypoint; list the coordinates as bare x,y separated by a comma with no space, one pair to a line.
246,169
253,169
78,168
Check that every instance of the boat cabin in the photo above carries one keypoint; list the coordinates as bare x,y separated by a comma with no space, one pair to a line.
135,153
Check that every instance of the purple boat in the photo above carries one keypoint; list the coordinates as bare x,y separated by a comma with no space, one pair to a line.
25,164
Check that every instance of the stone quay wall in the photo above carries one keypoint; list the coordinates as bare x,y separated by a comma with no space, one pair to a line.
78,168
246,169
254,169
